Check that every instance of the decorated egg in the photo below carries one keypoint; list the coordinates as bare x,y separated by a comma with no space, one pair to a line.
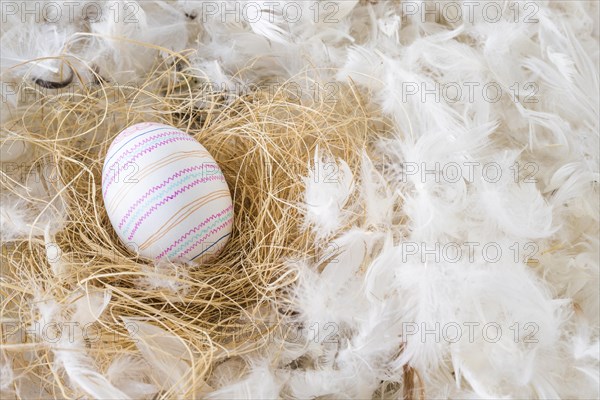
165,195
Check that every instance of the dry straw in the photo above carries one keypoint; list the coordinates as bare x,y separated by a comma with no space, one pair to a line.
264,140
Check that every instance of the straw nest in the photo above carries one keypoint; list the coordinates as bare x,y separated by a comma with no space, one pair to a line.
264,141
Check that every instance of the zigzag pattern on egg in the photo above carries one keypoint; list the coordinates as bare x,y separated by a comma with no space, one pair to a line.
141,154
165,214
225,214
187,177
164,201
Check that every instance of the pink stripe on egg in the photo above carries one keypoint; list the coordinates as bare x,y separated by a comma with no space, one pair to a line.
194,230
201,240
141,143
167,199
147,150
142,126
163,184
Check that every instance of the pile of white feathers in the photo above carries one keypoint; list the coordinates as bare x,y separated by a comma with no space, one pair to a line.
485,281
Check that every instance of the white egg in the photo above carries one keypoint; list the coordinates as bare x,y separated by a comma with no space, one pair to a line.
165,195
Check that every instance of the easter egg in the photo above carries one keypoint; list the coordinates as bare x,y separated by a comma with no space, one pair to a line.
165,195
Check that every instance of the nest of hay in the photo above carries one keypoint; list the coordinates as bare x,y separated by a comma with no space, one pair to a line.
264,141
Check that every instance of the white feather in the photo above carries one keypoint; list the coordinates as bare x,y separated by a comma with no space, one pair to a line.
328,188
129,374
260,383
170,359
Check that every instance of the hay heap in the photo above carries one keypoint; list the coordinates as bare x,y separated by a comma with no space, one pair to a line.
79,305
348,301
